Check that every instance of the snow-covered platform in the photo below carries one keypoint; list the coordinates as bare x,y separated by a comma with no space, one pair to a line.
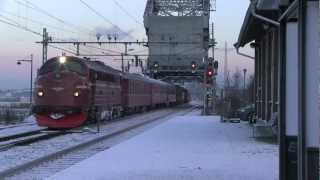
183,148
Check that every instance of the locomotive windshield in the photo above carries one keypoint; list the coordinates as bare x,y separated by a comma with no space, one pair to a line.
70,65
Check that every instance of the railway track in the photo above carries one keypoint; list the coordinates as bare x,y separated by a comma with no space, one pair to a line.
27,138
54,162
17,125
19,135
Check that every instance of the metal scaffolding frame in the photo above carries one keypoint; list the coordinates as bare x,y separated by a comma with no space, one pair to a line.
179,7
178,20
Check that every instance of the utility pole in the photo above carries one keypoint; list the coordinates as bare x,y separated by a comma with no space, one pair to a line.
213,41
31,78
122,63
226,64
244,78
214,83
244,82
226,83
45,40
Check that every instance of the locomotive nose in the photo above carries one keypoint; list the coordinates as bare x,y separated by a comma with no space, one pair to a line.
66,90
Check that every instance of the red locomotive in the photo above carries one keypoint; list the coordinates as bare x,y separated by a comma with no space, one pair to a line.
71,91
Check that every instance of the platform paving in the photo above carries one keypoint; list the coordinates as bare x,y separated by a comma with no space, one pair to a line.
189,147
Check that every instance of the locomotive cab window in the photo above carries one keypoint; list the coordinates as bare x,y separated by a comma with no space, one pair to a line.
70,65
50,66
75,66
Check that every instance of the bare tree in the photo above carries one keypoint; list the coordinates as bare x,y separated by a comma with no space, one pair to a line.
233,96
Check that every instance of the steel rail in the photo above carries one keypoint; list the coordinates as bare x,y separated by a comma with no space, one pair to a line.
20,135
29,139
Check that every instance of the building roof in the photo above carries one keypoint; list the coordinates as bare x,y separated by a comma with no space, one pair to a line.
268,4
252,27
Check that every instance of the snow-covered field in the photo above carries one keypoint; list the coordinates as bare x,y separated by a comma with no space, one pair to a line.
189,147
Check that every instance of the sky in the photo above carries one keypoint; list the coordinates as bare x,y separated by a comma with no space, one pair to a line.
74,21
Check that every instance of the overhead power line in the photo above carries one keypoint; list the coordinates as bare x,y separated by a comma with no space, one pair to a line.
97,13
101,16
127,13
17,25
103,49
37,22
62,49
34,7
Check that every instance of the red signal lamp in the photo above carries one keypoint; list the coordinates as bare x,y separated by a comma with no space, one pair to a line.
210,72
193,65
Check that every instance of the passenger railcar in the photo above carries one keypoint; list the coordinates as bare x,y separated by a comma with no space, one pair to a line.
136,93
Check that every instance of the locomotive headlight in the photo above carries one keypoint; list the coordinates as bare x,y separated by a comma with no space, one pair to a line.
62,59
76,94
40,93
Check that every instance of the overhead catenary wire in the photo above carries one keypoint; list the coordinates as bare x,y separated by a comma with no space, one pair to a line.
34,7
102,16
103,49
98,13
17,25
13,23
62,49
37,22
127,13
139,51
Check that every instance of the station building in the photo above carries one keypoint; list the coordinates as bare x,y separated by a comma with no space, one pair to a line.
285,37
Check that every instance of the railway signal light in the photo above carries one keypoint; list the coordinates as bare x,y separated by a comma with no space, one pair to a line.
193,65
209,75
209,72
156,65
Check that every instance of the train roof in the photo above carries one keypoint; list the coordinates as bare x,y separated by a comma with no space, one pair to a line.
145,78
101,67
95,65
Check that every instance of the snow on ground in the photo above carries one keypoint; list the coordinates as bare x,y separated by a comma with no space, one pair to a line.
23,154
29,124
30,119
186,148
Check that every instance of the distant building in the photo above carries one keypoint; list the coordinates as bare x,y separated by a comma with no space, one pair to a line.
24,99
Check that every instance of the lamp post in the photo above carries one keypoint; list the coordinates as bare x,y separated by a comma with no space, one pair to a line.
244,82
19,62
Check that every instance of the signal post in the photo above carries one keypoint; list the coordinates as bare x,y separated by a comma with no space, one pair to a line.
210,84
